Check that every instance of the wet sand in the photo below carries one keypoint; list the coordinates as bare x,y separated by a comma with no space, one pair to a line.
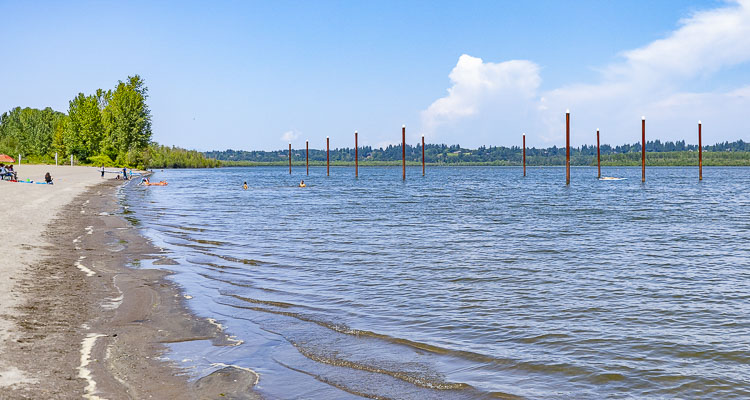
79,322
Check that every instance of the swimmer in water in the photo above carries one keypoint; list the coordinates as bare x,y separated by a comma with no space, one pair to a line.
302,184
244,186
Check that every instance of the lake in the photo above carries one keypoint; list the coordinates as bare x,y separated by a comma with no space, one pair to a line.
470,282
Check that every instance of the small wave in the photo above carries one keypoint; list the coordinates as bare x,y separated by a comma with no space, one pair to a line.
211,242
430,382
266,302
239,260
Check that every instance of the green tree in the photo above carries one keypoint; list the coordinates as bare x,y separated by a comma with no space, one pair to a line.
127,119
29,131
85,130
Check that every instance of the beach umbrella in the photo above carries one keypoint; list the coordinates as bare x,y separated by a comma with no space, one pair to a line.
6,158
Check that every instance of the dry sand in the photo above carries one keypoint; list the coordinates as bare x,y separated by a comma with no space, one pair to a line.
76,322
26,210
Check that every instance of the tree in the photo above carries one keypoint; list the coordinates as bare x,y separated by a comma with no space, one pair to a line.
127,118
29,131
84,131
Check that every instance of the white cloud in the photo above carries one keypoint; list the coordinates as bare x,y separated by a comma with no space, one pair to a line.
655,80
290,136
483,95
705,43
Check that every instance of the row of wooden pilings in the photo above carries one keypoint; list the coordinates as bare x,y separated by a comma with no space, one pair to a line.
598,153
567,152
356,155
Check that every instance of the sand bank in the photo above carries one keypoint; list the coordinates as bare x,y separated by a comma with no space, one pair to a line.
78,322
26,210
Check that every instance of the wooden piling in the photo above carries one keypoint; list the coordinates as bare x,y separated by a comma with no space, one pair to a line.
643,149
356,156
700,153
290,158
598,156
307,157
524,154
422,155
403,152
567,147
328,157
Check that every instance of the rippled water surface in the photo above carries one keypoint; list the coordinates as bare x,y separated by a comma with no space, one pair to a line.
466,283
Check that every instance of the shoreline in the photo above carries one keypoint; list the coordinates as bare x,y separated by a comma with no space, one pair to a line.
91,325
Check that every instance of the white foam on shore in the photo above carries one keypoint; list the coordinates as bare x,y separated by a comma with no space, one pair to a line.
89,230
83,268
87,344
114,302
234,339
257,375
236,342
77,240
215,323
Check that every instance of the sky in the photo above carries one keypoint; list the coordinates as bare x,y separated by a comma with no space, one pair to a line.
255,75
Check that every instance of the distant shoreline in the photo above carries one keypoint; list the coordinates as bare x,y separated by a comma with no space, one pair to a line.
297,164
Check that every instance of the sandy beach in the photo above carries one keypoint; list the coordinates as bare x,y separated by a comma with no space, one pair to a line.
27,209
75,321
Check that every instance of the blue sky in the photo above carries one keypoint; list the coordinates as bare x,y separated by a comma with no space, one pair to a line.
253,75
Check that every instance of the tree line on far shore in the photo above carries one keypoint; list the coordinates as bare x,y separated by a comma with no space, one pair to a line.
658,153
110,128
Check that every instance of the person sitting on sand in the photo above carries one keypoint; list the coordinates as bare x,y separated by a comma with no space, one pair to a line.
10,172
48,178
302,184
244,186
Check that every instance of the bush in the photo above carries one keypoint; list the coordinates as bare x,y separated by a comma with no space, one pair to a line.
102,159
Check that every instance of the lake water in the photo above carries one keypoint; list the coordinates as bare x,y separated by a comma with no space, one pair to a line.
470,282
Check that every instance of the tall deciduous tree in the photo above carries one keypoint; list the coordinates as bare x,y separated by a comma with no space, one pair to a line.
127,119
29,131
85,130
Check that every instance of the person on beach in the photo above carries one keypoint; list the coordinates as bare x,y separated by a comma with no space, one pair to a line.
102,171
48,178
244,186
302,184
125,173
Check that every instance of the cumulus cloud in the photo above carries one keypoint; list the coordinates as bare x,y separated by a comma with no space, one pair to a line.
483,95
289,136
656,80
